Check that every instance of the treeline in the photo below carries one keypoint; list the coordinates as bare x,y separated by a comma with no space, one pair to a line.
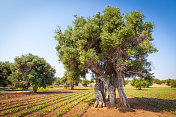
67,82
26,71
169,82
140,83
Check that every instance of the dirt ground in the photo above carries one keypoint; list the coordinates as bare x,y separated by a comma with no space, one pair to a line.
138,109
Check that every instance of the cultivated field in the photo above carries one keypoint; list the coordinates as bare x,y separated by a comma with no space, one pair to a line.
49,103
149,102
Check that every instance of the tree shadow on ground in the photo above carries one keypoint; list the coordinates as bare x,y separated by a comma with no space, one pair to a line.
146,104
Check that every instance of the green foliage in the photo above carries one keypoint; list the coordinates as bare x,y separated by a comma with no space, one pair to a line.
139,83
125,82
168,82
105,40
29,70
157,81
5,71
85,82
173,84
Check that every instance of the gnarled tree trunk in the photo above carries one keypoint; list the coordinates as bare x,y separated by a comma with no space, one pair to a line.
122,95
102,83
100,94
112,94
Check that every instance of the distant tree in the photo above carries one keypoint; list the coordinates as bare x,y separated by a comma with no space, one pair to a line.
72,78
125,83
57,81
138,83
85,82
29,70
64,81
173,84
157,81
5,71
168,82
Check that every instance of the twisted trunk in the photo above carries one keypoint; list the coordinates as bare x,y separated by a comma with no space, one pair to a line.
104,84
112,94
100,94
122,95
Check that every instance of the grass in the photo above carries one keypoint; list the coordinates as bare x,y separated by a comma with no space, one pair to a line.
160,93
163,98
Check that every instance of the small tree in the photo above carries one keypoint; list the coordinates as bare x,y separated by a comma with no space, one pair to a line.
173,84
85,82
72,78
125,83
57,81
168,82
138,83
5,71
29,70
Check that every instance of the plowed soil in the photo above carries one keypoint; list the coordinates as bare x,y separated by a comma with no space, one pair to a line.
138,108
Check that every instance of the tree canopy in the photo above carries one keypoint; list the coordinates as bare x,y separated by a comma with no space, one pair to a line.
30,70
5,71
110,44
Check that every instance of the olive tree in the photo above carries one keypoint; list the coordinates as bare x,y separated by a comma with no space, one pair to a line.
139,83
173,84
110,45
30,70
5,71
71,78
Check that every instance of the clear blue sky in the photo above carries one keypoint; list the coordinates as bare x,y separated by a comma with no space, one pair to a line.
27,26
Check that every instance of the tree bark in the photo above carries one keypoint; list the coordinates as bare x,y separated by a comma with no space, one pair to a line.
35,89
100,94
112,94
122,95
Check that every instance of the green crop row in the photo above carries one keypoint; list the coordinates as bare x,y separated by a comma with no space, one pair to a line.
61,112
27,108
158,106
45,105
85,106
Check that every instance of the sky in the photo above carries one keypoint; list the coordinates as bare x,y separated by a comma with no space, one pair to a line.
27,26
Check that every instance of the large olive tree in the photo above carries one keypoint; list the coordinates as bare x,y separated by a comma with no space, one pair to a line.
112,46
30,70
